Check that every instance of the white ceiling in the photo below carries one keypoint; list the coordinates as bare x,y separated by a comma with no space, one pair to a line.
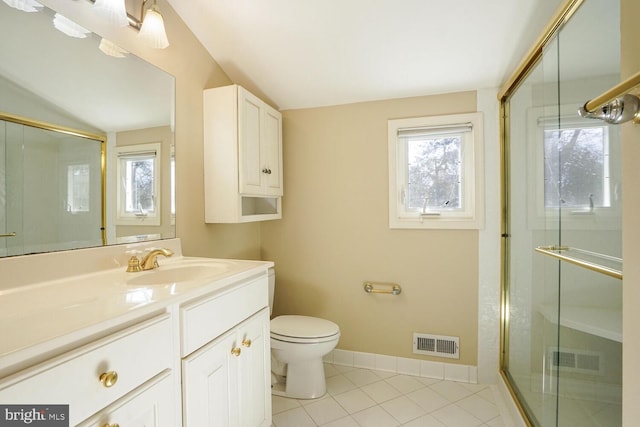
308,53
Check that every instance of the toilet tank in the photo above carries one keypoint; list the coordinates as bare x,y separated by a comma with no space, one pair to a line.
272,287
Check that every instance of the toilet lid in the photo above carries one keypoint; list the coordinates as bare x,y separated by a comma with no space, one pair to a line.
303,327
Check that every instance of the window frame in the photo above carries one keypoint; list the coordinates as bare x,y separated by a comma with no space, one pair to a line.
122,217
471,215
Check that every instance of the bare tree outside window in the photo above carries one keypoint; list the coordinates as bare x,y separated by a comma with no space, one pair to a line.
575,168
140,185
434,168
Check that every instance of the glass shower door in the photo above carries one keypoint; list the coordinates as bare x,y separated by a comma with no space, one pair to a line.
588,359
563,338
533,280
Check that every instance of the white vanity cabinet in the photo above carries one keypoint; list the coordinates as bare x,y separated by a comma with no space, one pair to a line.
226,365
150,405
120,352
94,376
242,157
227,383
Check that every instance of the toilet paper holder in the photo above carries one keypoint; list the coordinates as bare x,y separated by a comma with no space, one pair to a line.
371,288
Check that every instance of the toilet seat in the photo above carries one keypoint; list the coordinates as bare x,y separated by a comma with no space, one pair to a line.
303,329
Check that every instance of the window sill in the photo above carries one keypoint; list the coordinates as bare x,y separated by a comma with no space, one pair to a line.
435,222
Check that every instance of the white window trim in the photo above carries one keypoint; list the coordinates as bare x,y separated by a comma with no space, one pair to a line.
474,172
132,149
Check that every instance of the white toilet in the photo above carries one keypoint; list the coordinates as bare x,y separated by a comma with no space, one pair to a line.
298,344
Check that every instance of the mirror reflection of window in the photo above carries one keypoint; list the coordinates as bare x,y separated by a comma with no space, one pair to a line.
78,188
139,184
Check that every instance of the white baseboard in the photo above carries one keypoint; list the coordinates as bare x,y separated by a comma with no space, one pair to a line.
403,365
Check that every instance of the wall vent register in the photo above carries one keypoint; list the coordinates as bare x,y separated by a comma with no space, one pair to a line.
436,345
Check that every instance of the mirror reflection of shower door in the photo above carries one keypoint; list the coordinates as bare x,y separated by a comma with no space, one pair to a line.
3,192
52,189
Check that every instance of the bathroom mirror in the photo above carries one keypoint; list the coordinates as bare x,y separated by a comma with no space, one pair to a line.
59,76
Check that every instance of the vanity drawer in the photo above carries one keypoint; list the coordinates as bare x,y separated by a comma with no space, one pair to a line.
210,317
136,354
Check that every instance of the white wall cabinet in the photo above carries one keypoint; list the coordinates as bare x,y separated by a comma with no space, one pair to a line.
226,383
242,157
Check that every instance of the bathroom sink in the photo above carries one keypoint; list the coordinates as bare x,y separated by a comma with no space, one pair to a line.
164,275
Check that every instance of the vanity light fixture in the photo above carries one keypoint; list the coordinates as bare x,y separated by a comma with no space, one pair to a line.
152,29
24,5
114,10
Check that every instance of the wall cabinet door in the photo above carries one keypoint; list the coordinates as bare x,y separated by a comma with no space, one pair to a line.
226,383
260,149
271,152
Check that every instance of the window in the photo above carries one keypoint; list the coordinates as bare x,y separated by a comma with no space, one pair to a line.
78,188
576,168
138,184
435,172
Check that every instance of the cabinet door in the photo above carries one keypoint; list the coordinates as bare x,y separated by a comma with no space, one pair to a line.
249,122
272,152
151,405
210,389
254,371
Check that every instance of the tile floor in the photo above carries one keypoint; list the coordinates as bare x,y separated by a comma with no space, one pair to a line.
369,398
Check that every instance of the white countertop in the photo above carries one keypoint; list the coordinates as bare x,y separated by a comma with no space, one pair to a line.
39,318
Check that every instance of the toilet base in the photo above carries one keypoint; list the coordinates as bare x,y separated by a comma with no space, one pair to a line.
304,380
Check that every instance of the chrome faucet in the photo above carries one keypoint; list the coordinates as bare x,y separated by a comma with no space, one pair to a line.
150,262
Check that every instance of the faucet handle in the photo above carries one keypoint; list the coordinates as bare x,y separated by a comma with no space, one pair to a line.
133,265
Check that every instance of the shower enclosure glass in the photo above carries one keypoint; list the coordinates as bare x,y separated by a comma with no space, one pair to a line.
50,190
562,336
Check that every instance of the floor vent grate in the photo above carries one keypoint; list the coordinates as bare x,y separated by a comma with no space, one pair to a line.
436,345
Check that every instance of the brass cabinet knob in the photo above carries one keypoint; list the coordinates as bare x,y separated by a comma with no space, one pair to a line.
109,379
246,342
235,351
111,425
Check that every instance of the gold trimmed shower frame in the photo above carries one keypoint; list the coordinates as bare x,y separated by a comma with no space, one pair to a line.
82,134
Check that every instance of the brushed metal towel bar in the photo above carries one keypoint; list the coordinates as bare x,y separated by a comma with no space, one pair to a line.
370,288
12,234
563,253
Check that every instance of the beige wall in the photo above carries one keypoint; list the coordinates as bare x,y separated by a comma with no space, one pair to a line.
334,234
630,11
194,70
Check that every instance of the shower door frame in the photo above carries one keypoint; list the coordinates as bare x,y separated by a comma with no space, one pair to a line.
563,14
12,118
